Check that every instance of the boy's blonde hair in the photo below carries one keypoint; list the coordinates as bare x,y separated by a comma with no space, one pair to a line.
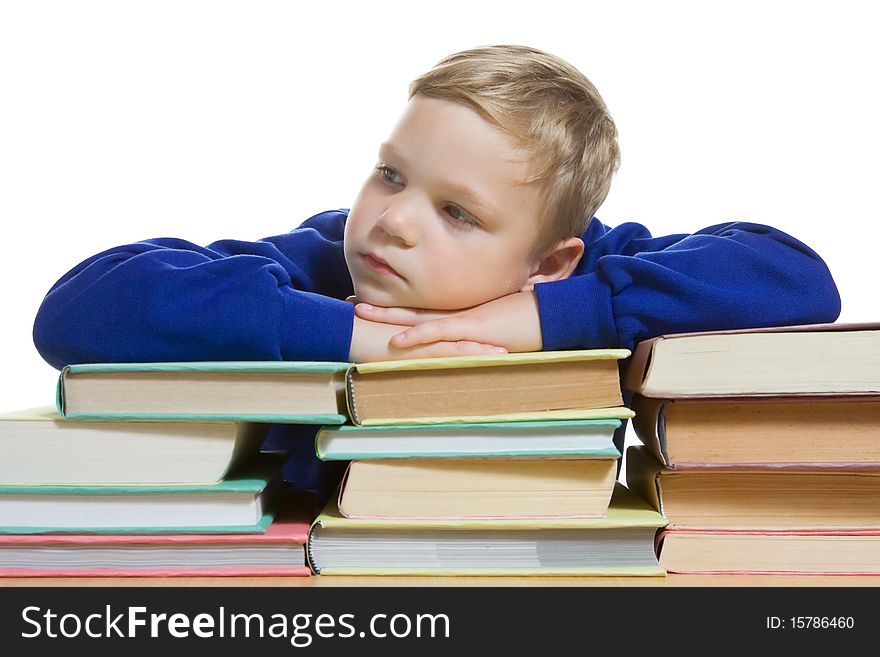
553,110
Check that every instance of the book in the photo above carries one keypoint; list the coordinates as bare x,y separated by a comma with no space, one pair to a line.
259,391
815,359
621,543
278,551
487,388
38,446
584,438
801,497
510,387
478,488
760,431
240,503
771,552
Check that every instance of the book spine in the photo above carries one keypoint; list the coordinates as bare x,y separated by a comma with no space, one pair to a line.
637,370
350,399
59,392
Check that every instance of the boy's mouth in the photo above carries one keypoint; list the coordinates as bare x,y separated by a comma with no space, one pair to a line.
376,264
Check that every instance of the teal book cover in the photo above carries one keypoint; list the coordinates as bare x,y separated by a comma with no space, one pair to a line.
576,438
242,503
251,391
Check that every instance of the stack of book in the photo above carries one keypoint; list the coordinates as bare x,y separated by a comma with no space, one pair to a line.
483,465
156,469
475,465
761,448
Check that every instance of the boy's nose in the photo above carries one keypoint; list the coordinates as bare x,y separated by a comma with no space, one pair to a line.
398,222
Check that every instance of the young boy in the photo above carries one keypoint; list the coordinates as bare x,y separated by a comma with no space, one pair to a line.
473,234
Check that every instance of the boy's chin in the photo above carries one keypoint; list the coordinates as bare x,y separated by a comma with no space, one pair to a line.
384,299
379,298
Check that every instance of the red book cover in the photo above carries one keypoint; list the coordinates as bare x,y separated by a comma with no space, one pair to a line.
54,552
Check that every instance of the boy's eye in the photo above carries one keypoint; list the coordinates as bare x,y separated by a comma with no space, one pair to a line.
460,216
389,175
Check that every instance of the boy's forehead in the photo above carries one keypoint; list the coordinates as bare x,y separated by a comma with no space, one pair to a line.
447,125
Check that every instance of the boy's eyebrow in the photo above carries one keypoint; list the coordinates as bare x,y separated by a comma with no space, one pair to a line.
472,198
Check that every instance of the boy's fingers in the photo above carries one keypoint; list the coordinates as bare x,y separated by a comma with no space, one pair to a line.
402,316
478,348
462,348
445,330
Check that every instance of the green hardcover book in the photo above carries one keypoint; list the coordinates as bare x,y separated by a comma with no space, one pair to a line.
576,438
242,503
295,392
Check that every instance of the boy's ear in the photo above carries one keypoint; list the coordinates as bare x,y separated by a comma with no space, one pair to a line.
556,264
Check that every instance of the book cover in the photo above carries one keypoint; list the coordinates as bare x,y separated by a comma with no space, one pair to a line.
244,502
585,438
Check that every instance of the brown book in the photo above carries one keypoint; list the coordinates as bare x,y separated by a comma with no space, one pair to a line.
773,552
760,431
527,386
478,488
788,498
815,359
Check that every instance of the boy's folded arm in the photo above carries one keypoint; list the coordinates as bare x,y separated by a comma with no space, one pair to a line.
171,300
734,275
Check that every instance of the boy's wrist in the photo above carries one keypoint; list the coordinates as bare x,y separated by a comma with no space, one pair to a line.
576,313
316,327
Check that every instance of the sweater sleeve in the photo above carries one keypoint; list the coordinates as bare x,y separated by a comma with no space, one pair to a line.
280,298
630,286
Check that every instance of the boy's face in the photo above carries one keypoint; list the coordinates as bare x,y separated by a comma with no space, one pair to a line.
441,222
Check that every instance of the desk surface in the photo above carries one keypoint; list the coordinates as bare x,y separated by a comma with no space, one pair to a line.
668,581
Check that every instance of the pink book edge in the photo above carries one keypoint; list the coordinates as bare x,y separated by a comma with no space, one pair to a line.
770,572
820,466
465,518
299,571
776,532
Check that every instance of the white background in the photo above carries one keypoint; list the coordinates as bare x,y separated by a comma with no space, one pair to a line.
121,121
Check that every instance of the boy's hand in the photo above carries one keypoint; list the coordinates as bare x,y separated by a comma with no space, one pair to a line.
371,341
510,321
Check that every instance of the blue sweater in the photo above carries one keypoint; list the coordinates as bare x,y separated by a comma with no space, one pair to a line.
282,298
